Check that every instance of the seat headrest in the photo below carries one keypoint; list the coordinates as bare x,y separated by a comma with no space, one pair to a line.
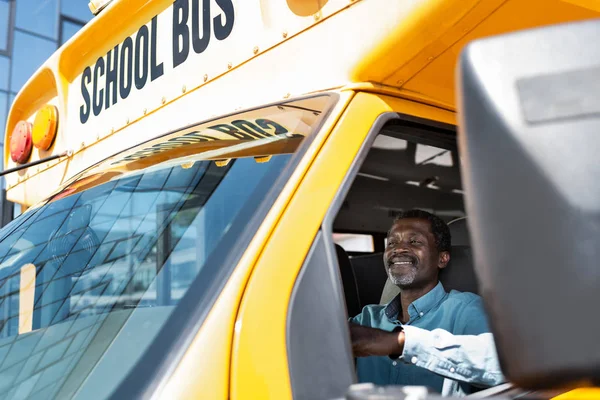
459,274
459,232
348,281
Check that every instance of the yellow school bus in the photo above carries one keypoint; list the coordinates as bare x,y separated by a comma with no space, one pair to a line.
208,186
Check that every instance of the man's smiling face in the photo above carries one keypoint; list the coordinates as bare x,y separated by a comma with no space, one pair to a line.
411,257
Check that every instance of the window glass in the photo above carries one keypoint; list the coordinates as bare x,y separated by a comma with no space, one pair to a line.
3,112
68,29
140,244
353,242
16,210
433,155
92,276
4,24
29,52
37,16
389,143
4,67
77,9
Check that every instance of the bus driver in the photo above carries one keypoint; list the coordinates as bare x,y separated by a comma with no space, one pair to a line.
418,247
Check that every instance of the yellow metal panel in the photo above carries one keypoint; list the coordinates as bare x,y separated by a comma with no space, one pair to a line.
580,394
165,107
420,32
589,4
203,373
259,362
113,25
437,69
372,87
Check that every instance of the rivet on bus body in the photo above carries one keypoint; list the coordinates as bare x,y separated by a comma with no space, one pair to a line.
400,82
145,111
205,77
284,34
256,50
164,100
112,130
229,65
317,17
97,136
429,58
127,122
183,89
82,145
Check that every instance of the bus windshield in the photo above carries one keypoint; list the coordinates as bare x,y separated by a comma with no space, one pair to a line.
88,279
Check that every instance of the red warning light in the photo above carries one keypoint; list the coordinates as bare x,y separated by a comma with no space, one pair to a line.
20,142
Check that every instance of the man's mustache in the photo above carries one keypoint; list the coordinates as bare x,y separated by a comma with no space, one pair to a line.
405,257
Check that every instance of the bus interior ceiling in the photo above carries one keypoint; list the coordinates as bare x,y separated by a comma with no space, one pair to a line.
400,173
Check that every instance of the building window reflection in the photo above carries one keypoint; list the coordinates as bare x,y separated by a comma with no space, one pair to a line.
77,10
3,111
5,25
4,68
38,17
68,28
30,32
29,53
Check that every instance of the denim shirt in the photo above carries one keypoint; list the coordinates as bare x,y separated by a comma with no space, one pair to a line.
455,312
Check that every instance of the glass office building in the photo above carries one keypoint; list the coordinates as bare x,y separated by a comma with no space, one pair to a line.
30,31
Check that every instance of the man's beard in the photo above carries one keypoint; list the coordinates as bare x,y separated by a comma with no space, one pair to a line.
402,280
402,269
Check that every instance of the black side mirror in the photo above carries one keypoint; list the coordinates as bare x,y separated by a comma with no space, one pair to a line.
529,106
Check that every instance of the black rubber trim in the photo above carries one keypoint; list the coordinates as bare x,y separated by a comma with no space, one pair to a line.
149,375
320,367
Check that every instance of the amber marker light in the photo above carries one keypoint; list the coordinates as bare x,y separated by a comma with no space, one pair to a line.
44,127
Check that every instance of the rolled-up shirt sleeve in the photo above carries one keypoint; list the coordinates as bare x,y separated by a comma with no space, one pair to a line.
466,358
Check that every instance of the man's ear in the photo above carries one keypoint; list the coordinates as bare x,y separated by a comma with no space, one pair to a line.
444,259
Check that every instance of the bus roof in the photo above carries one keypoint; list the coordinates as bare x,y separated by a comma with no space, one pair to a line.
155,66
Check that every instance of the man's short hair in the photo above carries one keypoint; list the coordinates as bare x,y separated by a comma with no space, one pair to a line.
440,230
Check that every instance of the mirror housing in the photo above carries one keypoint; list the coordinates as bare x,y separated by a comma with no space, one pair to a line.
529,109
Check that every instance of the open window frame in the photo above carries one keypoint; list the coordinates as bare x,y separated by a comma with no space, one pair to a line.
326,370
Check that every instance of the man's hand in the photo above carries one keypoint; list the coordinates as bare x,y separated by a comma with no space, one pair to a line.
375,342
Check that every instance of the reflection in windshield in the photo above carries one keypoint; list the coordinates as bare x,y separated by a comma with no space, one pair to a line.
88,280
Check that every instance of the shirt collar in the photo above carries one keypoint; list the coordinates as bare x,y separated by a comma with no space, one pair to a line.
418,307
